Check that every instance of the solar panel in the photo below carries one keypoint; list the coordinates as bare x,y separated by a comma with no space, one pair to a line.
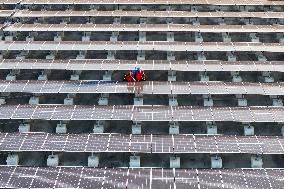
147,87
141,143
83,177
178,65
148,13
147,45
155,2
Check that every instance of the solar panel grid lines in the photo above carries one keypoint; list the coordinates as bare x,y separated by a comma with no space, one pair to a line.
146,28
101,64
176,144
147,87
150,2
147,45
194,178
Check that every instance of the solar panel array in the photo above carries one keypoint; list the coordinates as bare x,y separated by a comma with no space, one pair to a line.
82,177
140,46
28,27
147,87
143,113
104,64
141,143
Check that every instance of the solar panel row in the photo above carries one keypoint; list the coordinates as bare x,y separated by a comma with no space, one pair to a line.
155,2
136,45
143,178
145,87
144,13
141,143
145,28
143,113
178,65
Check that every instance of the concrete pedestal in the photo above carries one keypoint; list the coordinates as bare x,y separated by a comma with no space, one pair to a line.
103,101
34,100
2,100
134,161
174,129
93,161
261,57
142,36
232,57
80,57
74,77
172,75
170,36
173,101
50,57
237,78
174,162
136,128
52,161
204,78
86,38
98,128
170,56
216,162
256,162
242,102
29,38
61,128
141,55
277,102
68,101
42,77
208,102
57,38
248,130
107,76
211,129
11,77
12,159
24,127
269,79
138,101
9,38
254,38
20,57
201,56
198,37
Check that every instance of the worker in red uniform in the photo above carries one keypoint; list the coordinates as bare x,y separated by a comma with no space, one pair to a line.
135,75
139,75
